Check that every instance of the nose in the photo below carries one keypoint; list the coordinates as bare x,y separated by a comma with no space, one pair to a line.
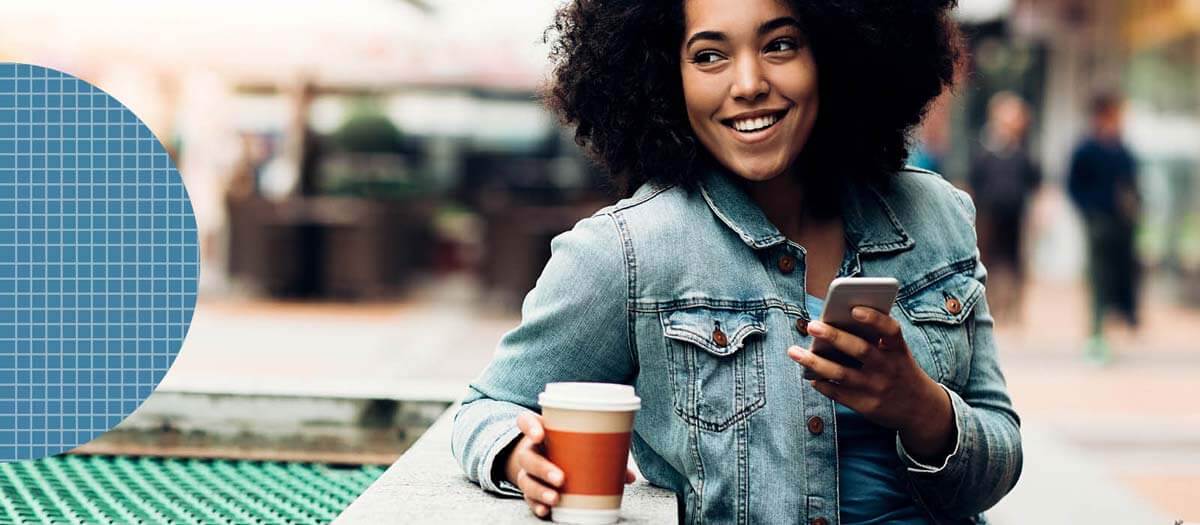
749,84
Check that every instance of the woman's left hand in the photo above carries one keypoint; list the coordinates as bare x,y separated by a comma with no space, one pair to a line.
890,389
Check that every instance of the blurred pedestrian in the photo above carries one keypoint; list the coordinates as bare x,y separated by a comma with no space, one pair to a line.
1103,184
1003,176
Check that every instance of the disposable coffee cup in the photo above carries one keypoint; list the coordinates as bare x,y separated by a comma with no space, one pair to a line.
587,436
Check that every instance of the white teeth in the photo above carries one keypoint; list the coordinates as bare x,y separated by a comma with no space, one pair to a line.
755,124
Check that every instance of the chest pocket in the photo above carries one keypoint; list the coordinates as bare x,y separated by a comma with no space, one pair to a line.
941,313
718,374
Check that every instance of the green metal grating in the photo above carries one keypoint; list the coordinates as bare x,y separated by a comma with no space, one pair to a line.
73,489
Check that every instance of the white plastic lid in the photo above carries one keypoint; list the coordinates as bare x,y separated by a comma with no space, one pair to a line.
590,396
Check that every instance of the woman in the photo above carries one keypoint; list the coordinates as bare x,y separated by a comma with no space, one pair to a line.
762,142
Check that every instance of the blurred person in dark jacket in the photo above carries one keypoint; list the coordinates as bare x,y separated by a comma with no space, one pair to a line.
1003,176
1103,184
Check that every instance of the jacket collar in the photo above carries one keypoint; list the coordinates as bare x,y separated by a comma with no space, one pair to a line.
871,226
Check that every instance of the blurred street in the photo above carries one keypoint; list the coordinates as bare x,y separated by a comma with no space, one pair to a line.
1134,422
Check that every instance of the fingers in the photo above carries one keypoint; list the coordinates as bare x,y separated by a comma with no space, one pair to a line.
630,476
537,477
856,400
885,325
538,496
827,389
531,425
851,344
824,368
537,466
536,492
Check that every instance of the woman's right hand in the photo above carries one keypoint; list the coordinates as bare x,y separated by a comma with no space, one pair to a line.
531,472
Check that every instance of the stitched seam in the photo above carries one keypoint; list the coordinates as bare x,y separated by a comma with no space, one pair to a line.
743,499
637,202
756,305
919,314
739,401
935,276
718,427
677,399
694,434
736,340
631,279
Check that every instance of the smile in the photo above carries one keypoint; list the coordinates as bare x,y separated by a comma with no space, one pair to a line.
756,128
750,125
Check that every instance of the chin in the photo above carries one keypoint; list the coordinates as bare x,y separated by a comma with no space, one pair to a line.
758,173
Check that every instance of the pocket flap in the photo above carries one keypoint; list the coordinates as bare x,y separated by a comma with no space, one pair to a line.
949,300
707,328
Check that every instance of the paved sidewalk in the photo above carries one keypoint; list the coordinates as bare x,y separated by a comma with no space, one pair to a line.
1136,420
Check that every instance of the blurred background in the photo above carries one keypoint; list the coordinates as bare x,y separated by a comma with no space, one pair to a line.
376,186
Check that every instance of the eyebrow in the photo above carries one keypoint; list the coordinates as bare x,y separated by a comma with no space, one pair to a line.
766,27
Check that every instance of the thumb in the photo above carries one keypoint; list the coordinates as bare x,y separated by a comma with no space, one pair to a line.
630,476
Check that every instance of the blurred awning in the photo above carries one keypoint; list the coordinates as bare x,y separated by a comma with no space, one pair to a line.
352,43
977,11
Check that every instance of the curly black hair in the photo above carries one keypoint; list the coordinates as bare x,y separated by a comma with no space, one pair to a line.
617,80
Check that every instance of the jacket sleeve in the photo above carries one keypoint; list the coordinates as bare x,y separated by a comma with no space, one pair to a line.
986,460
574,327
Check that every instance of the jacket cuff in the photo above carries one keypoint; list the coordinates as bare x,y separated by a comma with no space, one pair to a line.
952,460
501,486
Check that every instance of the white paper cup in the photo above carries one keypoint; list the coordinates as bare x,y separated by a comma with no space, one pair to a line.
588,426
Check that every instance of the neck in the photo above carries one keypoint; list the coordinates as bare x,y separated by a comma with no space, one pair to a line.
783,200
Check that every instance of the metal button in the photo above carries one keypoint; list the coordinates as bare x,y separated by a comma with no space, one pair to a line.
719,338
816,425
802,326
819,521
953,306
787,264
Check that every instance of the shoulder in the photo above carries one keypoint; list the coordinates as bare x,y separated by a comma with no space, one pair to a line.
605,235
657,211
933,211
916,187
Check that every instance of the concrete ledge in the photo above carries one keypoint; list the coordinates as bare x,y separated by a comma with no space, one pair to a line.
426,485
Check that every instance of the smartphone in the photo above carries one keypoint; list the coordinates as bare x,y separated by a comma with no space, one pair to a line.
844,294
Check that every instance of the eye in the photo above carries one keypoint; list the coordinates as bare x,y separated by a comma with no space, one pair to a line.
706,57
782,45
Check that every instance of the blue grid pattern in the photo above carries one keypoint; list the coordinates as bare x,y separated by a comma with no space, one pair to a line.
99,262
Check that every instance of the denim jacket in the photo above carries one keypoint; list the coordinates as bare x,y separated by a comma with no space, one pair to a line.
636,293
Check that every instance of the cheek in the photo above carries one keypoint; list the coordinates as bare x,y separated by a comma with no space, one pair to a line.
702,95
799,85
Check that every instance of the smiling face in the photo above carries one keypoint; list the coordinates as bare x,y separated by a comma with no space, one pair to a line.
749,83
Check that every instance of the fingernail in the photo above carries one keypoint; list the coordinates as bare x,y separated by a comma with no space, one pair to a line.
555,477
816,328
548,497
860,313
540,510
